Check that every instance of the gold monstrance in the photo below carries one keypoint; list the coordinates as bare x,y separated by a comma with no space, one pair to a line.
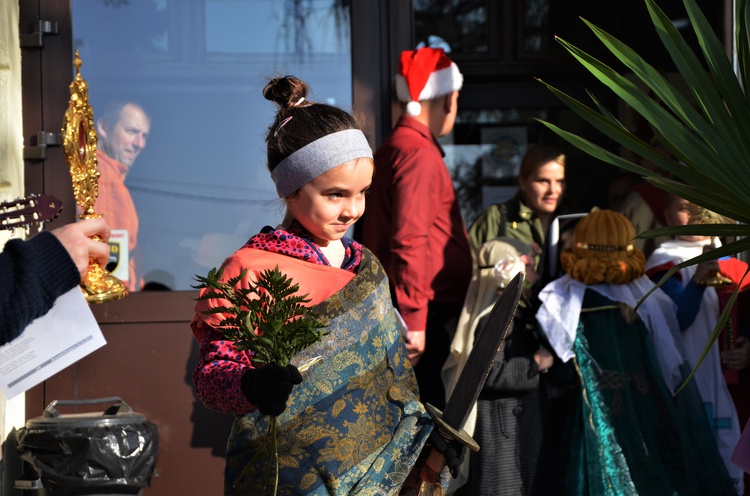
79,143
701,215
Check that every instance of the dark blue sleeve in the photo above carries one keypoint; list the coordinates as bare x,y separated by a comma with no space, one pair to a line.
687,298
33,274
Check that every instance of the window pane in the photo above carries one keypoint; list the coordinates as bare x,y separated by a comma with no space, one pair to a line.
291,27
535,30
456,24
199,185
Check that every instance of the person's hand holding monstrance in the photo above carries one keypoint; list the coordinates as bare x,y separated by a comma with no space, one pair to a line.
79,144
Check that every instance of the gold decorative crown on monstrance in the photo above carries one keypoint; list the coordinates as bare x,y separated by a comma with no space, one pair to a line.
79,144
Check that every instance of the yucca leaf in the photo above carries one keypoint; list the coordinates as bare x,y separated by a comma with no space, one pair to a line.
707,181
715,230
726,250
655,81
742,20
722,322
721,69
716,200
605,112
630,141
610,128
682,190
627,139
721,251
724,134
689,66
683,142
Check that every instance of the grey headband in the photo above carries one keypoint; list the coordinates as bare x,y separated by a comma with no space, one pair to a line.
318,157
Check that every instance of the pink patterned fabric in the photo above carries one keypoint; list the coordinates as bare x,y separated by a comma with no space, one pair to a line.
296,243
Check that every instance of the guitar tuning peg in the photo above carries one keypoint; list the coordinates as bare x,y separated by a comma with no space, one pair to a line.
28,230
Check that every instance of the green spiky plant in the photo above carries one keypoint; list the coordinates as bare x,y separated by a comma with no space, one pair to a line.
709,141
268,318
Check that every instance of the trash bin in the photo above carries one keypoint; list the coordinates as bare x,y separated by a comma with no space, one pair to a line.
113,452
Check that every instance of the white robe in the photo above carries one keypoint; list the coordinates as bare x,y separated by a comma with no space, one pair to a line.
561,309
709,377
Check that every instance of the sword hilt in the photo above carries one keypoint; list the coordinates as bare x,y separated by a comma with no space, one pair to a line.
448,431
435,463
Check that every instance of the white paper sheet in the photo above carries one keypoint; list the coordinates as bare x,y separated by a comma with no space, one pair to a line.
67,333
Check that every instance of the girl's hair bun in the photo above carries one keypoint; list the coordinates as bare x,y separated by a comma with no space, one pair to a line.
286,91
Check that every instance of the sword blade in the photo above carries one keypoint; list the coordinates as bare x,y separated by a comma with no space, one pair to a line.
477,367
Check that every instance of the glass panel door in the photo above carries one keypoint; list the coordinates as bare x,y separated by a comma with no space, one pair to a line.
195,164
468,30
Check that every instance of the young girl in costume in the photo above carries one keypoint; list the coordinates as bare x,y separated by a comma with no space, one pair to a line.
698,312
511,418
626,435
351,423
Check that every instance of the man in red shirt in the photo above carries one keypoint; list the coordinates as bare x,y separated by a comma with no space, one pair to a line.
413,222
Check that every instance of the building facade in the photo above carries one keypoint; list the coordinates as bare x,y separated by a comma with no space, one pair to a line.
200,185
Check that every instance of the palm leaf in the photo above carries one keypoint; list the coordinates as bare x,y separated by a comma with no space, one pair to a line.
714,230
742,21
700,195
725,134
723,73
712,339
682,141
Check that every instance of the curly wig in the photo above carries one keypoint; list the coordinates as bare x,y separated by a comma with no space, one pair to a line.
604,250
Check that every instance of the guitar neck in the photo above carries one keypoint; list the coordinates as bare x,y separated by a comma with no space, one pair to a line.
34,210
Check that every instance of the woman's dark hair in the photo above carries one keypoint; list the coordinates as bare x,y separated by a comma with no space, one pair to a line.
298,121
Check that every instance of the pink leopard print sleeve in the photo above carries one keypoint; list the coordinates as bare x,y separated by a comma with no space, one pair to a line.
219,372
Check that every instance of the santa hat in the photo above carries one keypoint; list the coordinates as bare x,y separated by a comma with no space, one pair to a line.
425,74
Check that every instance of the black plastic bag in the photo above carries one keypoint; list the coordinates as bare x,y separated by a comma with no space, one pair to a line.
103,453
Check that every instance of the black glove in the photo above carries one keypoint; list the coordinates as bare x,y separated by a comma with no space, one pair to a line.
268,387
452,450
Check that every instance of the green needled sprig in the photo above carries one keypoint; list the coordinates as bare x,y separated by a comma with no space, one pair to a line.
268,318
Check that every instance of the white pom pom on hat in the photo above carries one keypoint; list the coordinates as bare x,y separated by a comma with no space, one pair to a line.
425,74
413,108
